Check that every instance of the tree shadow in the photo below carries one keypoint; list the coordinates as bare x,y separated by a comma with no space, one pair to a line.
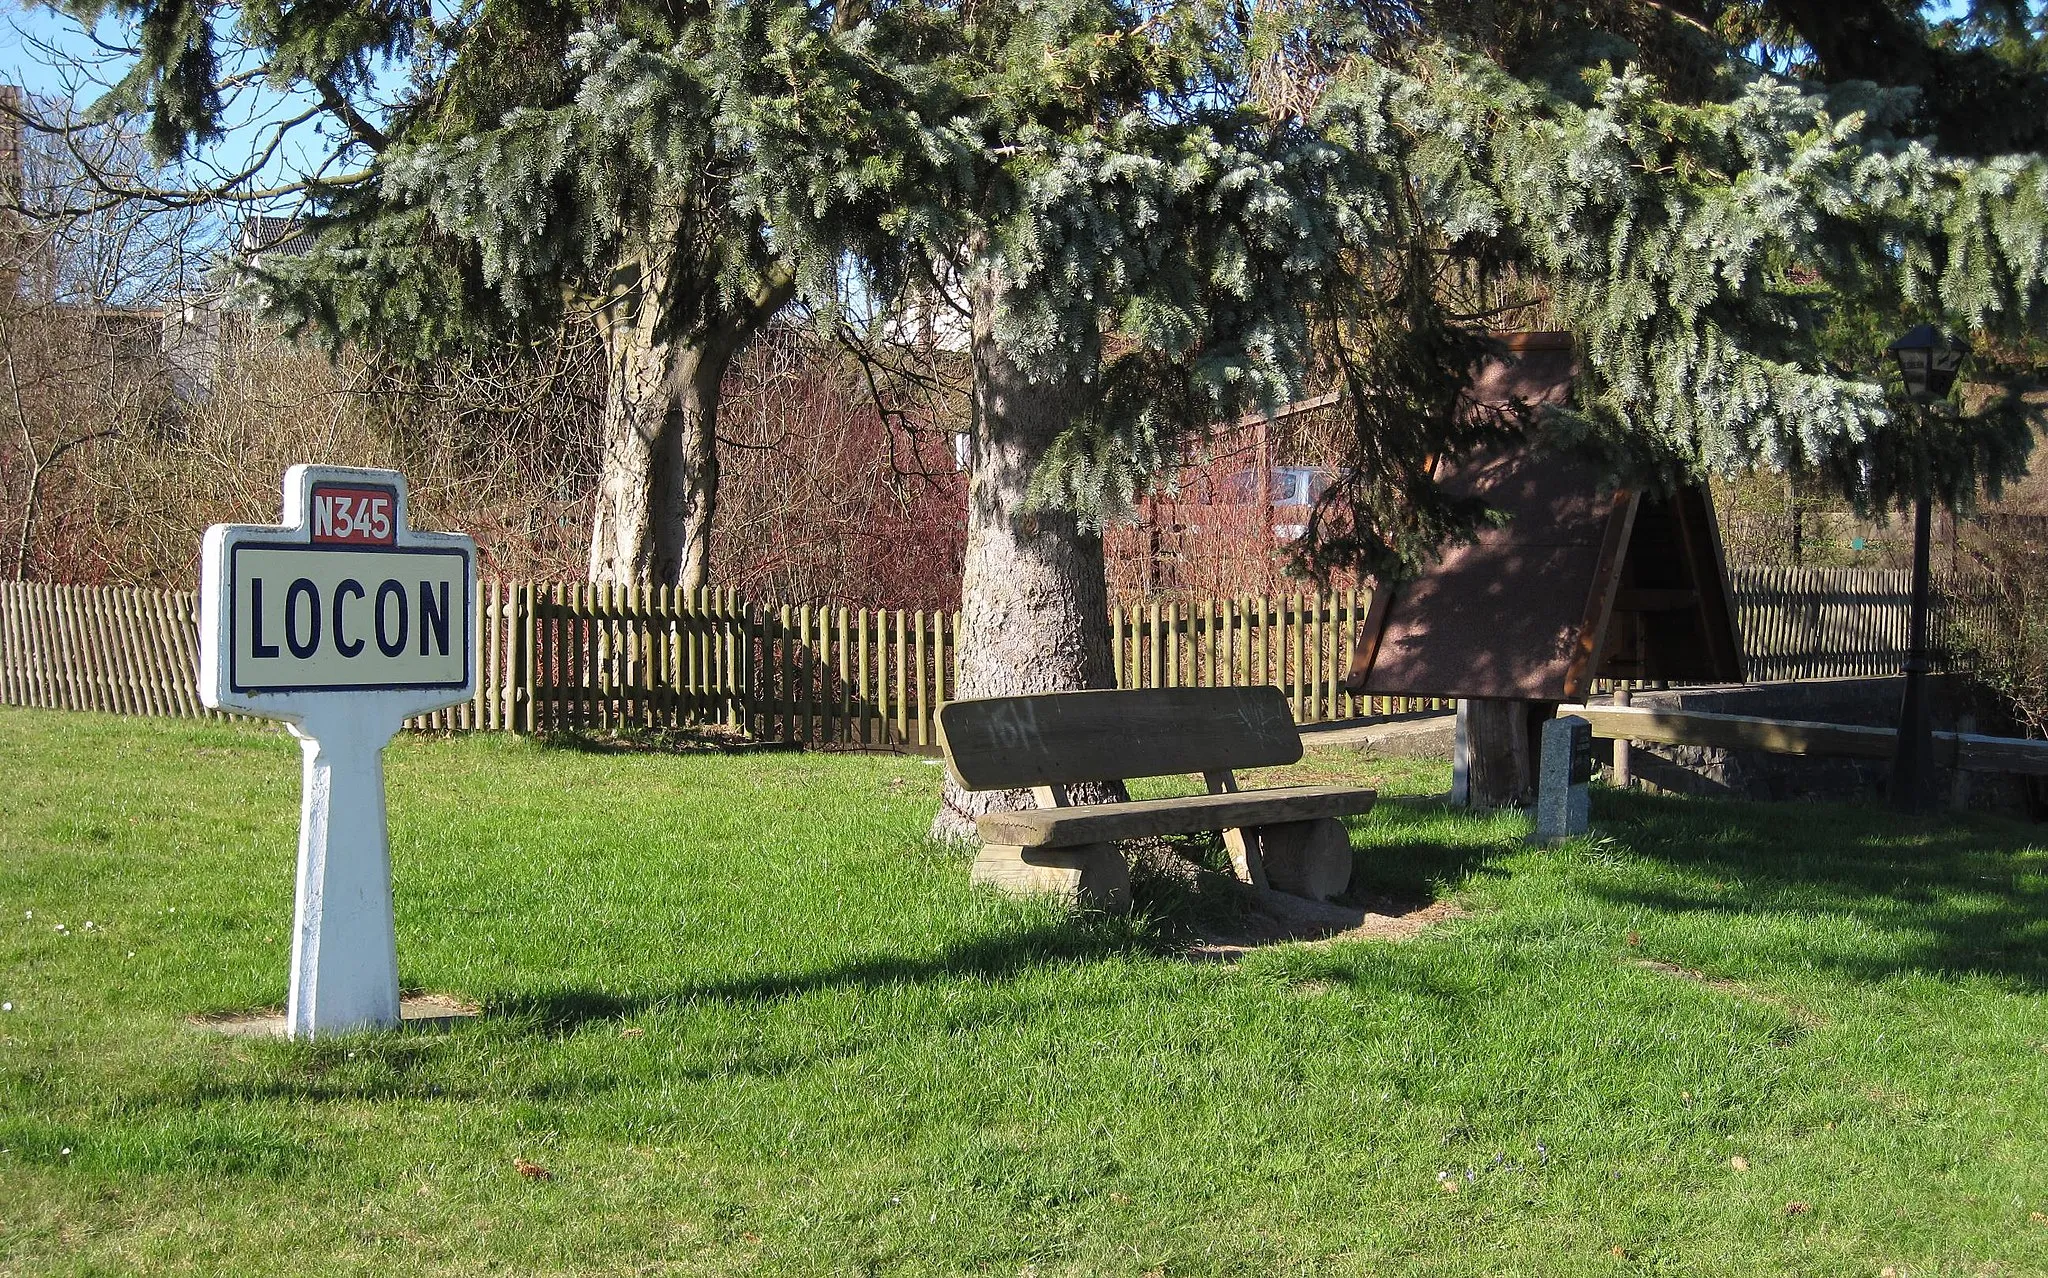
637,739
994,956
1414,848
1943,896
405,1066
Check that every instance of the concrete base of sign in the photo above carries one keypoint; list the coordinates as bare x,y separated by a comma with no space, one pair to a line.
419,1013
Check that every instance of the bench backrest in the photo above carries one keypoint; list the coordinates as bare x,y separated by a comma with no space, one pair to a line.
1062,738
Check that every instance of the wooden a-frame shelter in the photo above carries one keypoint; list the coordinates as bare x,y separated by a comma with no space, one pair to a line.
1581,581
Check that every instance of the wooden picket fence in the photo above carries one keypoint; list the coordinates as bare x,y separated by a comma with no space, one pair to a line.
120,649
1823,623
577,656
610,657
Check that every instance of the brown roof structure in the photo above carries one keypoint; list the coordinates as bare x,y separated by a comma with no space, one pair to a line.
1582,581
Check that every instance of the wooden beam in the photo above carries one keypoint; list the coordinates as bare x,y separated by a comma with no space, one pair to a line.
1242,844
1736,732
1061,738
1969,751
1592,641
1976,753
1284,411
1367,648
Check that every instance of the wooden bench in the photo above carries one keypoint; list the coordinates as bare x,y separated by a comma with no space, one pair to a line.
1286,838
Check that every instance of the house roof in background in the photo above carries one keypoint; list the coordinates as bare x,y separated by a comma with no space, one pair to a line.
284,236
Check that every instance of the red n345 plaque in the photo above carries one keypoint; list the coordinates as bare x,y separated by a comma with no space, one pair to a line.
354,516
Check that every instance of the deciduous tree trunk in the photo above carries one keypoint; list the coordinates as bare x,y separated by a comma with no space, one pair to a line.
658,490
666,357
1034,613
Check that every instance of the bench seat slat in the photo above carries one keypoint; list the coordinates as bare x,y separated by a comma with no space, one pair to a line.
1144,818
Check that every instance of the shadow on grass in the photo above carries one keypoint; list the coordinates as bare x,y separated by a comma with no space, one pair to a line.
995,956
1416,849
1943,896
636,740
385,1067
1940,897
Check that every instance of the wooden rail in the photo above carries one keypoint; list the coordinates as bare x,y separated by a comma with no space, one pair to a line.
1966,750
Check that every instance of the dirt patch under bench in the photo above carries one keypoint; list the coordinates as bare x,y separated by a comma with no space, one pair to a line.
1275,918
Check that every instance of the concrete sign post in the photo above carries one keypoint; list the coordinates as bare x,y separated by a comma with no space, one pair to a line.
343,622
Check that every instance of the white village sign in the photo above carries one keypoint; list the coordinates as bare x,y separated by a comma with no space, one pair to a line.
342,622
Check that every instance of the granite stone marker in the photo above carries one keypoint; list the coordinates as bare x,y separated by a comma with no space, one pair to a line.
343,622
1563,805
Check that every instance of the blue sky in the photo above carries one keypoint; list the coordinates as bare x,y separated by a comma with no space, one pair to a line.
32,34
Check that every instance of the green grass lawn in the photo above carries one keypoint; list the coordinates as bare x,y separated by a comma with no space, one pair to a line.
752,1022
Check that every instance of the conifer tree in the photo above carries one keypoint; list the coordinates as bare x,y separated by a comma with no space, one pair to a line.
1148,245
1980,68
1126,248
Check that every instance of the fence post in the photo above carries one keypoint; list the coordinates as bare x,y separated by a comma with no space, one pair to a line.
28,680
120,636
169,669
1152,655
521,693
924,701
500,707
49,686
805,663
185,632
751,671
902,678
479,651
7,658
842,704
863,691
783,703
1116,644
135,650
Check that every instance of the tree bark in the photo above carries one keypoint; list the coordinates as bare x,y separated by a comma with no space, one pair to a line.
658,490
666,360
1034,614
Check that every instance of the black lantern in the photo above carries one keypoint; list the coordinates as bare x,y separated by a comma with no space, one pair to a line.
1928,362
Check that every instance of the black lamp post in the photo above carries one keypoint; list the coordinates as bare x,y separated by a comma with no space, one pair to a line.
1928,364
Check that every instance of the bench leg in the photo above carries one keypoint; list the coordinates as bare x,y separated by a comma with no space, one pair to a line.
1092,874
1245,856
1307,858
